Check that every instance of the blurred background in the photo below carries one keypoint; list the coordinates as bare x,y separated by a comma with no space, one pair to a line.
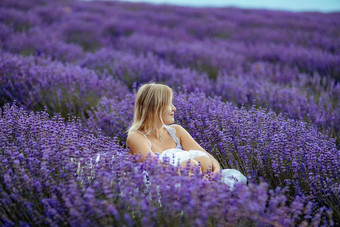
291,5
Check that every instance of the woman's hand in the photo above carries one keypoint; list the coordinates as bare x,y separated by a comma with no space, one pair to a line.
216,171
216,168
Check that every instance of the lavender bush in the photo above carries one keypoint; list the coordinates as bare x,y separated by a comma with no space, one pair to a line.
19,20
132,69
299,99
227,42
319,107
42,42
261,144
197,55
286,153
82,31
82,53
54,173
37,83
301,96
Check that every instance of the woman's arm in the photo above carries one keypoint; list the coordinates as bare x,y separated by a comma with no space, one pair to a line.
188,143
139,146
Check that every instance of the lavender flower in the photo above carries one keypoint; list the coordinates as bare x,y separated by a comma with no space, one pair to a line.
37,82
54,176
286,153
85,59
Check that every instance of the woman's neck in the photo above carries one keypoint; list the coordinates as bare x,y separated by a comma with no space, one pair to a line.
158,132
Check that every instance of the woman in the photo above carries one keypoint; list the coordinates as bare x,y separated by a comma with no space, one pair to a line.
152,134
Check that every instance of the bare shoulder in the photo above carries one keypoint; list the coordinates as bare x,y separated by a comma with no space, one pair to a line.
178,129
175,126
136,141
139,145
134,135
187,142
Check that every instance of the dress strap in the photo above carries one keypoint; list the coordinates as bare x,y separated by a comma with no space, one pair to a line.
172,133
145,138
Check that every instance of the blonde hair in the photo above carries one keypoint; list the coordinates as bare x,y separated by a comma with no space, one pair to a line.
151,100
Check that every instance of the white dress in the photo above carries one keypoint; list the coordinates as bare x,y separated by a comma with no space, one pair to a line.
176,156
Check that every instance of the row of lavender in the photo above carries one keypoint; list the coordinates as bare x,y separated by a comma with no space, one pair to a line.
290,63
260,144
286,153
58,82
113,20
314,99
95,25
57,173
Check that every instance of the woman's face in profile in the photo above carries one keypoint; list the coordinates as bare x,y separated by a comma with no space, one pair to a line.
169,114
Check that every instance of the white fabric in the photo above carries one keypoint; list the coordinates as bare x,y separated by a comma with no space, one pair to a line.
229,177
176,156
232,177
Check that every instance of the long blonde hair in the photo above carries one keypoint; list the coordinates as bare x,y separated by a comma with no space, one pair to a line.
151,100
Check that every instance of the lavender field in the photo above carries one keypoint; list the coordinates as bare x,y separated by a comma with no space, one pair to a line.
258,89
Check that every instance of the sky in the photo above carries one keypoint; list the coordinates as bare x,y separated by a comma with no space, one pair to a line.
290,5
